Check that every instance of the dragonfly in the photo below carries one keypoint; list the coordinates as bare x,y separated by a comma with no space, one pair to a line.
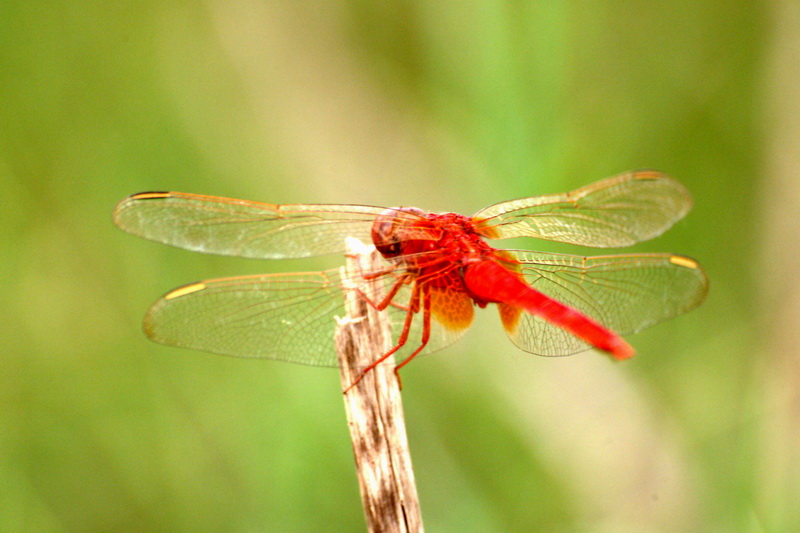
436,269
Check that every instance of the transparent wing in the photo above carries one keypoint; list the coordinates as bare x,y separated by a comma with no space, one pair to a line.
243,228
617,211
625,293
284,316
288,317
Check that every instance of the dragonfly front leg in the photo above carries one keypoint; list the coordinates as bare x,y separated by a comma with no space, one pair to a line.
386,301
413,308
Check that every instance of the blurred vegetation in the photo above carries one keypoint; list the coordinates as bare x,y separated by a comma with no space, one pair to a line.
448,106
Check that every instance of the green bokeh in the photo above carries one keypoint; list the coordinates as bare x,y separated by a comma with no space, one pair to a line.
444,105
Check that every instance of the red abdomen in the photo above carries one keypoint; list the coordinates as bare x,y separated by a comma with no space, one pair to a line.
490,282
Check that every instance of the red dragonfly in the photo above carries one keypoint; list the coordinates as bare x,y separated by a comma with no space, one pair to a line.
438,267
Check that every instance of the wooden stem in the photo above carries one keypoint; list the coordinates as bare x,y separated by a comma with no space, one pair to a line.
374,408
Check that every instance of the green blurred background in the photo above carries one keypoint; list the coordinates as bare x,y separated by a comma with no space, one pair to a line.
448,106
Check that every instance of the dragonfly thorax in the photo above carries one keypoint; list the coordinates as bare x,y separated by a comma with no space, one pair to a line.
419,239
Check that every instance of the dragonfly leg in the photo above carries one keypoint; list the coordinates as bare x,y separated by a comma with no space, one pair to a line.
426,335
401,340
386,301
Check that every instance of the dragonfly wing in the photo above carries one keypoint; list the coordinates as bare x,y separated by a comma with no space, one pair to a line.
614,212
625,293
288,317
538,336
243,228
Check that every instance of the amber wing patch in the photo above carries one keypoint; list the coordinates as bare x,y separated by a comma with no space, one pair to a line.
452,308
509,316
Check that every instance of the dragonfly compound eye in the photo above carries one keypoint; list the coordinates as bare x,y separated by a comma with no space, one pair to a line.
392,227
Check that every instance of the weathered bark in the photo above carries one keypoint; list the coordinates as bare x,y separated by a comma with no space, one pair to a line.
374,409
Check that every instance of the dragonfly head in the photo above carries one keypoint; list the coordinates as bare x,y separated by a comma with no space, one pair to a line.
395,228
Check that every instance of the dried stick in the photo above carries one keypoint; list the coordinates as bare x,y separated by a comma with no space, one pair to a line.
374,408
